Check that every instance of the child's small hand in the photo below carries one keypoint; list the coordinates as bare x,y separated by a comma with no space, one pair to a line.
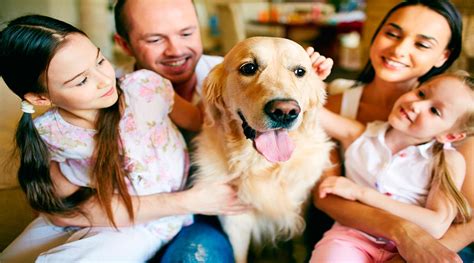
321,65
338,185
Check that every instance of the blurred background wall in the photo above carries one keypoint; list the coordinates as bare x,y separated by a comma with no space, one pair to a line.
225,22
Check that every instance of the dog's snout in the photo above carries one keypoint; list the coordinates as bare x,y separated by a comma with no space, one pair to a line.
283,111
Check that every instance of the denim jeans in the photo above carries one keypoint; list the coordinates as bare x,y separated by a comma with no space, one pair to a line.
467,254
203,241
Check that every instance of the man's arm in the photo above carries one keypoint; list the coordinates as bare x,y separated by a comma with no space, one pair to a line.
186,115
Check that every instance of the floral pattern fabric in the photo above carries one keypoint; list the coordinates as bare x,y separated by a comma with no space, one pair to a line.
155,153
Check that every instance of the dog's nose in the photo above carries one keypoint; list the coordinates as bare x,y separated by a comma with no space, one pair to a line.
283,111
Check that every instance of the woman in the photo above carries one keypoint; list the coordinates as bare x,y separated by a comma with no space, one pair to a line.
416,40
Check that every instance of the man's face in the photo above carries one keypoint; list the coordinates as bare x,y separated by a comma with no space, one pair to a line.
164,37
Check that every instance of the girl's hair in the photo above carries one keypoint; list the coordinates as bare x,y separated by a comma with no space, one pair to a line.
27,45
441,173
452,16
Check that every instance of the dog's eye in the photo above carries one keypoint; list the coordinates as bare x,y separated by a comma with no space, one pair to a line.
299,72
248,69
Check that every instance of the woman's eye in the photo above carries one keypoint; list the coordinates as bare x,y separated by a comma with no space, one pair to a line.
422,45
101,61
299,72
421,94
248,69
391,34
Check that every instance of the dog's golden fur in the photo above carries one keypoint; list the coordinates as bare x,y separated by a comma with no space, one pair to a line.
276,191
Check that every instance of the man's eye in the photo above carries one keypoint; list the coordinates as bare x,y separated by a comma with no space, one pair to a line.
187,34
153,40
421,94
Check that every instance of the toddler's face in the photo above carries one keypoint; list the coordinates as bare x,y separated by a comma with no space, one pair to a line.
432,109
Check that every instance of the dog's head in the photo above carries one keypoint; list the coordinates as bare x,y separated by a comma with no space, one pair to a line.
268,86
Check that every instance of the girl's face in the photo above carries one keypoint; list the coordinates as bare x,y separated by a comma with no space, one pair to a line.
80,79
433,109
409,44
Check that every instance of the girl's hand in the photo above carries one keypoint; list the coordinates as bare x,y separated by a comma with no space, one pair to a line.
215,198
341,186
321,65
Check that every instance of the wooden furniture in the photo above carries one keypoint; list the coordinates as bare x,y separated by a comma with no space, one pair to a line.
326,41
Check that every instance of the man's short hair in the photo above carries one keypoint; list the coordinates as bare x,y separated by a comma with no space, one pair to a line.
122,25
121,20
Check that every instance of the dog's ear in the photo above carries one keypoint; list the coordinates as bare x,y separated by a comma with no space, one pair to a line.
212,91
317,99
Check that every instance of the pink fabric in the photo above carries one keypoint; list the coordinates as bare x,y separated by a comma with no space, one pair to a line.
155,153
343,244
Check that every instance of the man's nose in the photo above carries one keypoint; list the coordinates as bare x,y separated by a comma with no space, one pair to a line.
174,47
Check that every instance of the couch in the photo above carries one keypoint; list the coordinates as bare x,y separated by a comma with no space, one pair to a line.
15,213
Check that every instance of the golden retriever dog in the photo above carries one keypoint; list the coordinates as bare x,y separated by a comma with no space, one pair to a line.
261,133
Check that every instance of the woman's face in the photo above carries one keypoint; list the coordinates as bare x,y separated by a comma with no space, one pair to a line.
412,41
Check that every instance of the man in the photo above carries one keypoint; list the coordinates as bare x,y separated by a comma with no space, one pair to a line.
163,36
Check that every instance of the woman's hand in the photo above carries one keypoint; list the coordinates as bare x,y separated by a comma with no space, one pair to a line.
416,245
321,65
215,198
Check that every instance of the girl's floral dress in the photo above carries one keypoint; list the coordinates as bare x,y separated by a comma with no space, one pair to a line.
156,157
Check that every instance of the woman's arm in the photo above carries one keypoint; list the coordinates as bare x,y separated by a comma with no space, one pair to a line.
343,129
435,218
413,243
210,199
186,115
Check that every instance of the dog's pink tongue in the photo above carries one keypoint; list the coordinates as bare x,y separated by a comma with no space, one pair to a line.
275,146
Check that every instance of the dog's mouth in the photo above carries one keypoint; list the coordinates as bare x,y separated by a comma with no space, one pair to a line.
275,145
